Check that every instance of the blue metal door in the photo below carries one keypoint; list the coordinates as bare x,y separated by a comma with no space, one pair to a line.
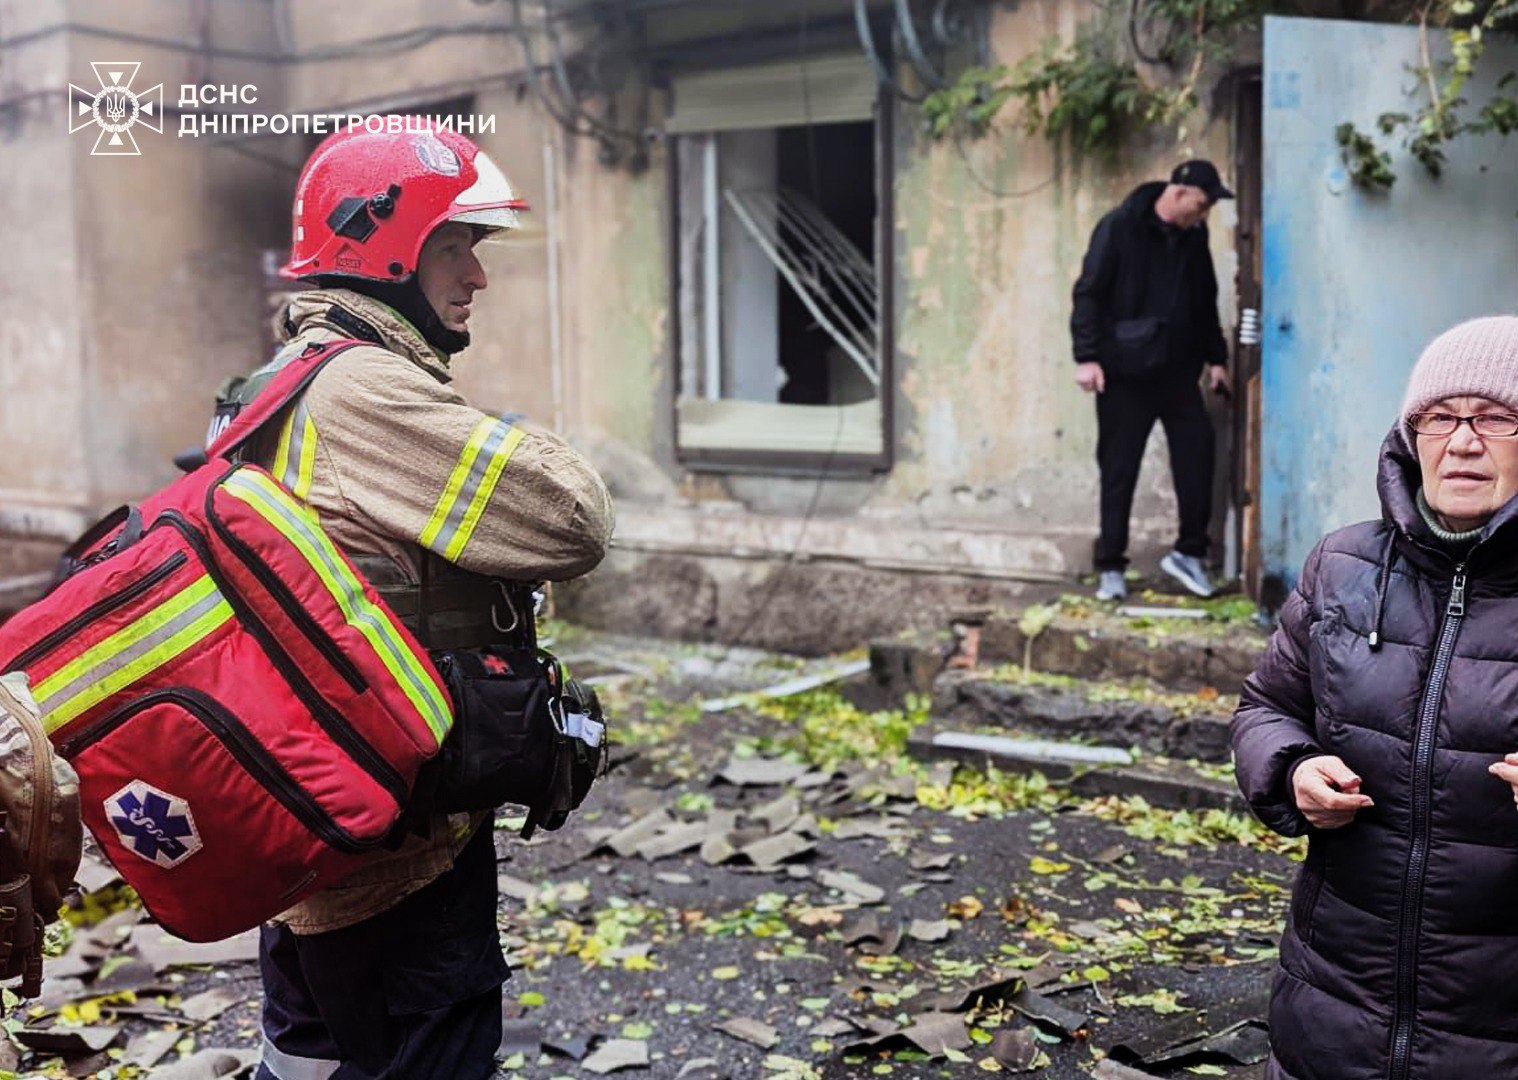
1356,282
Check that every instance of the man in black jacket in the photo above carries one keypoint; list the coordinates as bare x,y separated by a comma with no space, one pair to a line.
1145,325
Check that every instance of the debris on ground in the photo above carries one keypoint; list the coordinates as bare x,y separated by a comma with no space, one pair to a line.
779,890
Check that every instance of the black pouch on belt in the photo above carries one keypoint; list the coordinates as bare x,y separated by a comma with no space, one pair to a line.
502,745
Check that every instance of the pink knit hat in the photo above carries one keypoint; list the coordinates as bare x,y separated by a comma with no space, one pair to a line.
1478,358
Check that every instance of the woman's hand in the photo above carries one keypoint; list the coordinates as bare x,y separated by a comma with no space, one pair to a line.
1507,770
1328,791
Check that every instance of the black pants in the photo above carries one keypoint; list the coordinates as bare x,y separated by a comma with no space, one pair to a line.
1125,415
413,993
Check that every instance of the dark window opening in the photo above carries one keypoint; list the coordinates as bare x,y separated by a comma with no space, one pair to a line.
833,165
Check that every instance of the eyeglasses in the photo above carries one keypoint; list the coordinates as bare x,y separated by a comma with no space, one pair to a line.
1487,425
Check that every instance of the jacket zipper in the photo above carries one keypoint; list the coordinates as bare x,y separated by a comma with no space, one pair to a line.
287,602
98,609
338,728
1417,857
239,741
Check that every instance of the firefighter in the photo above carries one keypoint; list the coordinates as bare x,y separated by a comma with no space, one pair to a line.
448,510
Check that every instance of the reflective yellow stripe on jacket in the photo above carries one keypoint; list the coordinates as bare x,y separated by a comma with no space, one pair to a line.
295,456
294,522
470,486
137,649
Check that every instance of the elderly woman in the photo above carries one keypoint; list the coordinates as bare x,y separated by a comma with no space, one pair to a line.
1382,722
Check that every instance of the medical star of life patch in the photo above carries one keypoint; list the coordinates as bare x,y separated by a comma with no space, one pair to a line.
153,824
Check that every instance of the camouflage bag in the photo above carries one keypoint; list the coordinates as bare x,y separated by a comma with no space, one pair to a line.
41,834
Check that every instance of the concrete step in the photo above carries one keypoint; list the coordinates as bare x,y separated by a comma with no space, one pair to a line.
970,700
1178,654
1161,782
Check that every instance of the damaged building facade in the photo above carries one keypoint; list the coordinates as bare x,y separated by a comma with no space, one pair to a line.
821,357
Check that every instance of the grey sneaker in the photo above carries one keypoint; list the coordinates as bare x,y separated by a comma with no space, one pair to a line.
1189,571
1111,586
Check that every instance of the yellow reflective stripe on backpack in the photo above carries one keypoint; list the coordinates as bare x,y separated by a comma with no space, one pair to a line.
143,645
469,488
295,456
275,506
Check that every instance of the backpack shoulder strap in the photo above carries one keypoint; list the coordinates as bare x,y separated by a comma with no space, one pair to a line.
284,388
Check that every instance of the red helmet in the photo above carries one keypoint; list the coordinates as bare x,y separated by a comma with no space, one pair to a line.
366,201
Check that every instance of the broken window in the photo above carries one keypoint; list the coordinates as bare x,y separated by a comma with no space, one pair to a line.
779,298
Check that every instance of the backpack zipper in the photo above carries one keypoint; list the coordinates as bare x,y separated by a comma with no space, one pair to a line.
98,609
336,726
242,745
1417,856
286,600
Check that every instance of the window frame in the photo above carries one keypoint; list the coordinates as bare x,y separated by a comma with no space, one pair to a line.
798,462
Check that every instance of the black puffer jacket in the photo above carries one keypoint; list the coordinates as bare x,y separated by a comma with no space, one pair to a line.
1137,265
1400,956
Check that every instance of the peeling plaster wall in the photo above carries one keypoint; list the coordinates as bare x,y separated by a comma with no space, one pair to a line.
616,297
994,477
130,283
991,233
991,433
133,285
134,288
41,378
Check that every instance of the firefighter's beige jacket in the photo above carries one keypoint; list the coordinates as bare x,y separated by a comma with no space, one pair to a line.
392,460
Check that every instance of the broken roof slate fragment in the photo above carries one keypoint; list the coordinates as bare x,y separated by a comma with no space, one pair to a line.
616,1054
999,987
877,828
1058,1018
931,1032
761,772
750,1030
1017,1050
210,1004
672,840
520,1036
779,813
770,852
873,935
574,1047
1157,1041
929,930
625,841
931,861
162,950
851,886
70,1041
150,1047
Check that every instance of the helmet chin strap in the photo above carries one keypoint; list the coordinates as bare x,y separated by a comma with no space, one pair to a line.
407,298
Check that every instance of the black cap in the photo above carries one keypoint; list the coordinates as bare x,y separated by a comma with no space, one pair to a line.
1201,174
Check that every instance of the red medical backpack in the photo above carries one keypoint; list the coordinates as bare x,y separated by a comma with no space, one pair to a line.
246,715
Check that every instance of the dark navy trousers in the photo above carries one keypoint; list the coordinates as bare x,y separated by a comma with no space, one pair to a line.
413,993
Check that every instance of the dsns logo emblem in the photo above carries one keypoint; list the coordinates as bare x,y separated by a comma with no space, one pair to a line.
115,107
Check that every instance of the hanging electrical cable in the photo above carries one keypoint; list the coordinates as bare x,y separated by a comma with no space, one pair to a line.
960,21
564,106
534,81
883,76
906,29
608,132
